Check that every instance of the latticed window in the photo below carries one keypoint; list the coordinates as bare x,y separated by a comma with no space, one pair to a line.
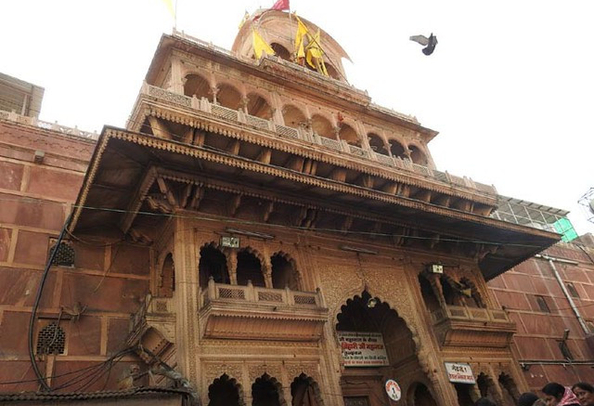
51,340
64,255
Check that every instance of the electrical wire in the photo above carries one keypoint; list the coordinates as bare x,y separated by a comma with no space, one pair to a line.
33,318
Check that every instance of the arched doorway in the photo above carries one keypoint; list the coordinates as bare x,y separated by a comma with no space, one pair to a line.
225,391
284,273
267,391
421,396
213,263
376,345
305,392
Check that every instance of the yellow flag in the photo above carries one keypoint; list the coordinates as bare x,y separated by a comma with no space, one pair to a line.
169,4
315,54
246,16
260,45
299,37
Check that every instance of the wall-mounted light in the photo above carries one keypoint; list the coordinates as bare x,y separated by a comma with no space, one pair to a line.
372,302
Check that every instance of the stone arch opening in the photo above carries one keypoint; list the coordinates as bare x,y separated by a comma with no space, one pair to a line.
486,386
377,144
167,278
322,126
305,391
464,394
225,391
420,395
293,117
249,268
458,293
284,272
510,391
267,391
397,149
197,85
228,96
348,134
417,155
213,263
427,291
364,322
258,106
281,51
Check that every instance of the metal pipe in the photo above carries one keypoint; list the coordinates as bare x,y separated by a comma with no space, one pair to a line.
576,311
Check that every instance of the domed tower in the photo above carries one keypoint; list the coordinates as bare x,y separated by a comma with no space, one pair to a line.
279,29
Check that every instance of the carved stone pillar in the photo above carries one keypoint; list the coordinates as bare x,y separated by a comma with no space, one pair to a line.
244,104
267,271
232,266
214,91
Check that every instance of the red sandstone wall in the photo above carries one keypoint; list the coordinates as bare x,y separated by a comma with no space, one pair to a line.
34,202
539,332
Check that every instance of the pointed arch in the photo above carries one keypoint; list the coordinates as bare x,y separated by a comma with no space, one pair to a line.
281,51
225,391
377,144
197,85
305,391
322,126
397,149
348,134
250,267
228,96
420,395
293,116
510,391
212,263
258,106
284,272
418,155
267,391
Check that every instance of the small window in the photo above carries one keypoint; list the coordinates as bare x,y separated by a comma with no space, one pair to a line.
542,304
51,340
64,255
572,290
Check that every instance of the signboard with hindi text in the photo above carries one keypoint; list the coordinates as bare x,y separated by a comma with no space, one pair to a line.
460,373
362,349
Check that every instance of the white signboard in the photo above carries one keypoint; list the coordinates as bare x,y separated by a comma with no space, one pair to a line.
393,390
362,349
460,373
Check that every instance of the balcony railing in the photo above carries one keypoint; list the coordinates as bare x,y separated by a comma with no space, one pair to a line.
256,313
32,121
462,326
256,294
470,314
205,106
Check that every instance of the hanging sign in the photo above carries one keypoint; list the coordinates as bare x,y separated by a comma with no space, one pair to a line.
459,373
393,390
362,349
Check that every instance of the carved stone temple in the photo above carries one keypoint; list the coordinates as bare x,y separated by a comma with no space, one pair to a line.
279,239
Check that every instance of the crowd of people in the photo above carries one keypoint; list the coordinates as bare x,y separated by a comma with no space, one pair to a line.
555,394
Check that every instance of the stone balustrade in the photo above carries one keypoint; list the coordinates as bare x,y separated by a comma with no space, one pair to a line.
470,314
32,121
255,294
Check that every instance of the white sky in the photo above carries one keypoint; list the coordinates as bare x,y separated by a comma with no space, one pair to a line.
509,87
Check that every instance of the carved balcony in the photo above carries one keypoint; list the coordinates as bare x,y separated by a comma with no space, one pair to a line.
256,313
462,326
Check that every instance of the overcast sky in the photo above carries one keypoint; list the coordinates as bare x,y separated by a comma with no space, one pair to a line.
509,87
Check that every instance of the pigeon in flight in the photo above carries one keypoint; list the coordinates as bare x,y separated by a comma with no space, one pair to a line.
429,43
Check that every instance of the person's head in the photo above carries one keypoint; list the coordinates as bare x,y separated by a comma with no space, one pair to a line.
484,402
553,393
527,399
584,392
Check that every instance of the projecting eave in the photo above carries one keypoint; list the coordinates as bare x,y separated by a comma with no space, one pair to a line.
135,182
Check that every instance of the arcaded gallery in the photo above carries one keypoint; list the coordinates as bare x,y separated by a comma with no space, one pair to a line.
281,240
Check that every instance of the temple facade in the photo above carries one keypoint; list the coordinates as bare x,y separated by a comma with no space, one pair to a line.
259,233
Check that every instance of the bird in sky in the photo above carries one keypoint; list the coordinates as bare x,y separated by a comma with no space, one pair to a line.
429,43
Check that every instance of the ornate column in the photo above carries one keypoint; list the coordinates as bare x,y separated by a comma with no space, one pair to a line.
232,266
